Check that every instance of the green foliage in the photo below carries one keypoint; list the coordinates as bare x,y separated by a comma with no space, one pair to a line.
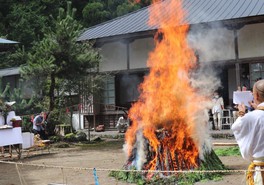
210,162
27,125
126,7
71,137
59,56
21,107
131,177
81,136
95,12
230,151
53,119
56,138
25,20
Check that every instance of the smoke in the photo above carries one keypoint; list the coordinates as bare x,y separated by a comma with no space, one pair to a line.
138,150
207,42
130,87
141,156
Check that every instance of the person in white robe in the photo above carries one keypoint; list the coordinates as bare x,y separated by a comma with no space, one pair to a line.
248,130
217,110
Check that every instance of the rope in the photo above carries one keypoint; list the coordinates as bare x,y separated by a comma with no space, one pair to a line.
251,170
19,175
22,180
122,170
62,176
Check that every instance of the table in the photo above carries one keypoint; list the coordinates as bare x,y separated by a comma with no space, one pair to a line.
11,137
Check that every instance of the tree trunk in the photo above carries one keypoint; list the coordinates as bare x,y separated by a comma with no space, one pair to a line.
51,92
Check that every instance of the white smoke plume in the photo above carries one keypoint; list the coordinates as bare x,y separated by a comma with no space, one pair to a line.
206,43
141,156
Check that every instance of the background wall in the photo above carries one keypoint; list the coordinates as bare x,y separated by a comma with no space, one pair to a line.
114,57
139,51
251,41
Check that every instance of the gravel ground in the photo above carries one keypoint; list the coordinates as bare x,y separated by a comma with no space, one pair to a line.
109,156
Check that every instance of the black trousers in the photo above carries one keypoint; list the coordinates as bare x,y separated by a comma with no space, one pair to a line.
41,133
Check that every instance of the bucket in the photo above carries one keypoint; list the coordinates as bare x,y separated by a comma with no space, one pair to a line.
17,123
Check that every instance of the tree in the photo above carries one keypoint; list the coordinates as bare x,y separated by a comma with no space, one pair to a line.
126,7
27,22
95,13
59,57
98,11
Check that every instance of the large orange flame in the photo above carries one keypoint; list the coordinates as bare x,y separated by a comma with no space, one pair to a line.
167,100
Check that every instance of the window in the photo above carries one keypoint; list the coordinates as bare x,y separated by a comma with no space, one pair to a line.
256,72
109,91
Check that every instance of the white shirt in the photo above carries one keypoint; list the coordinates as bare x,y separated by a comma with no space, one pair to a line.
249,133
217,104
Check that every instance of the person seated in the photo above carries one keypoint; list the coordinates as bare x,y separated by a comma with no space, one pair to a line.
39,126
122,124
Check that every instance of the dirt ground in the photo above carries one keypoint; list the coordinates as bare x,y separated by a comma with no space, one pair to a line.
108,155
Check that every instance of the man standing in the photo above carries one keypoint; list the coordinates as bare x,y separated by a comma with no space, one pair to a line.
217,110
249,133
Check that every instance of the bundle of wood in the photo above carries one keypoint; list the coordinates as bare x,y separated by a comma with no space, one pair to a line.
166,160
166,157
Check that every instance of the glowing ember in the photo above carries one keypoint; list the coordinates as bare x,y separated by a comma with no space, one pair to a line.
163,133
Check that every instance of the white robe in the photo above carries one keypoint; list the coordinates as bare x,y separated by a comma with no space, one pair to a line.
249,134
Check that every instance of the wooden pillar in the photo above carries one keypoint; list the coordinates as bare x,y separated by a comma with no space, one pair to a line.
236,58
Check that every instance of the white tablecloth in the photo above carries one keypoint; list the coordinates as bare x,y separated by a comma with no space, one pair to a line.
28,139
11,136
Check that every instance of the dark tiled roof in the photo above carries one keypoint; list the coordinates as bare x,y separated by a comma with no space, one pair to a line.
198,11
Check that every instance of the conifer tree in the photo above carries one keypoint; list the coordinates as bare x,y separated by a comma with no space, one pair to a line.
58,57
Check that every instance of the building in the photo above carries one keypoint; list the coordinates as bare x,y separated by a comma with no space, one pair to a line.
230,34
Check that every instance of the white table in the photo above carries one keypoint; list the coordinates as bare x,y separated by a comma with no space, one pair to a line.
11,136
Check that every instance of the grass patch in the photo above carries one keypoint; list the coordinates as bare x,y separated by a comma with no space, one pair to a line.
101,145
230,151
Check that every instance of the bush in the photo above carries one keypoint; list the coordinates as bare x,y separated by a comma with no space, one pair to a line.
27,125
71,137
52,121
81,136
56,138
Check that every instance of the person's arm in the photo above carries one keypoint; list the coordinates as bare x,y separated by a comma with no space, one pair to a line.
241,110
243,133
222,103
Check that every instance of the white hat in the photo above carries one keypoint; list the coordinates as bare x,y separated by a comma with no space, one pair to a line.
10,103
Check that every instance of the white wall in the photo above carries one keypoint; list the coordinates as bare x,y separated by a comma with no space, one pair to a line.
251,41
213,44
139,51
114,57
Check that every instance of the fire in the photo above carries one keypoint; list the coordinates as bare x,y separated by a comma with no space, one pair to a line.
167,105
